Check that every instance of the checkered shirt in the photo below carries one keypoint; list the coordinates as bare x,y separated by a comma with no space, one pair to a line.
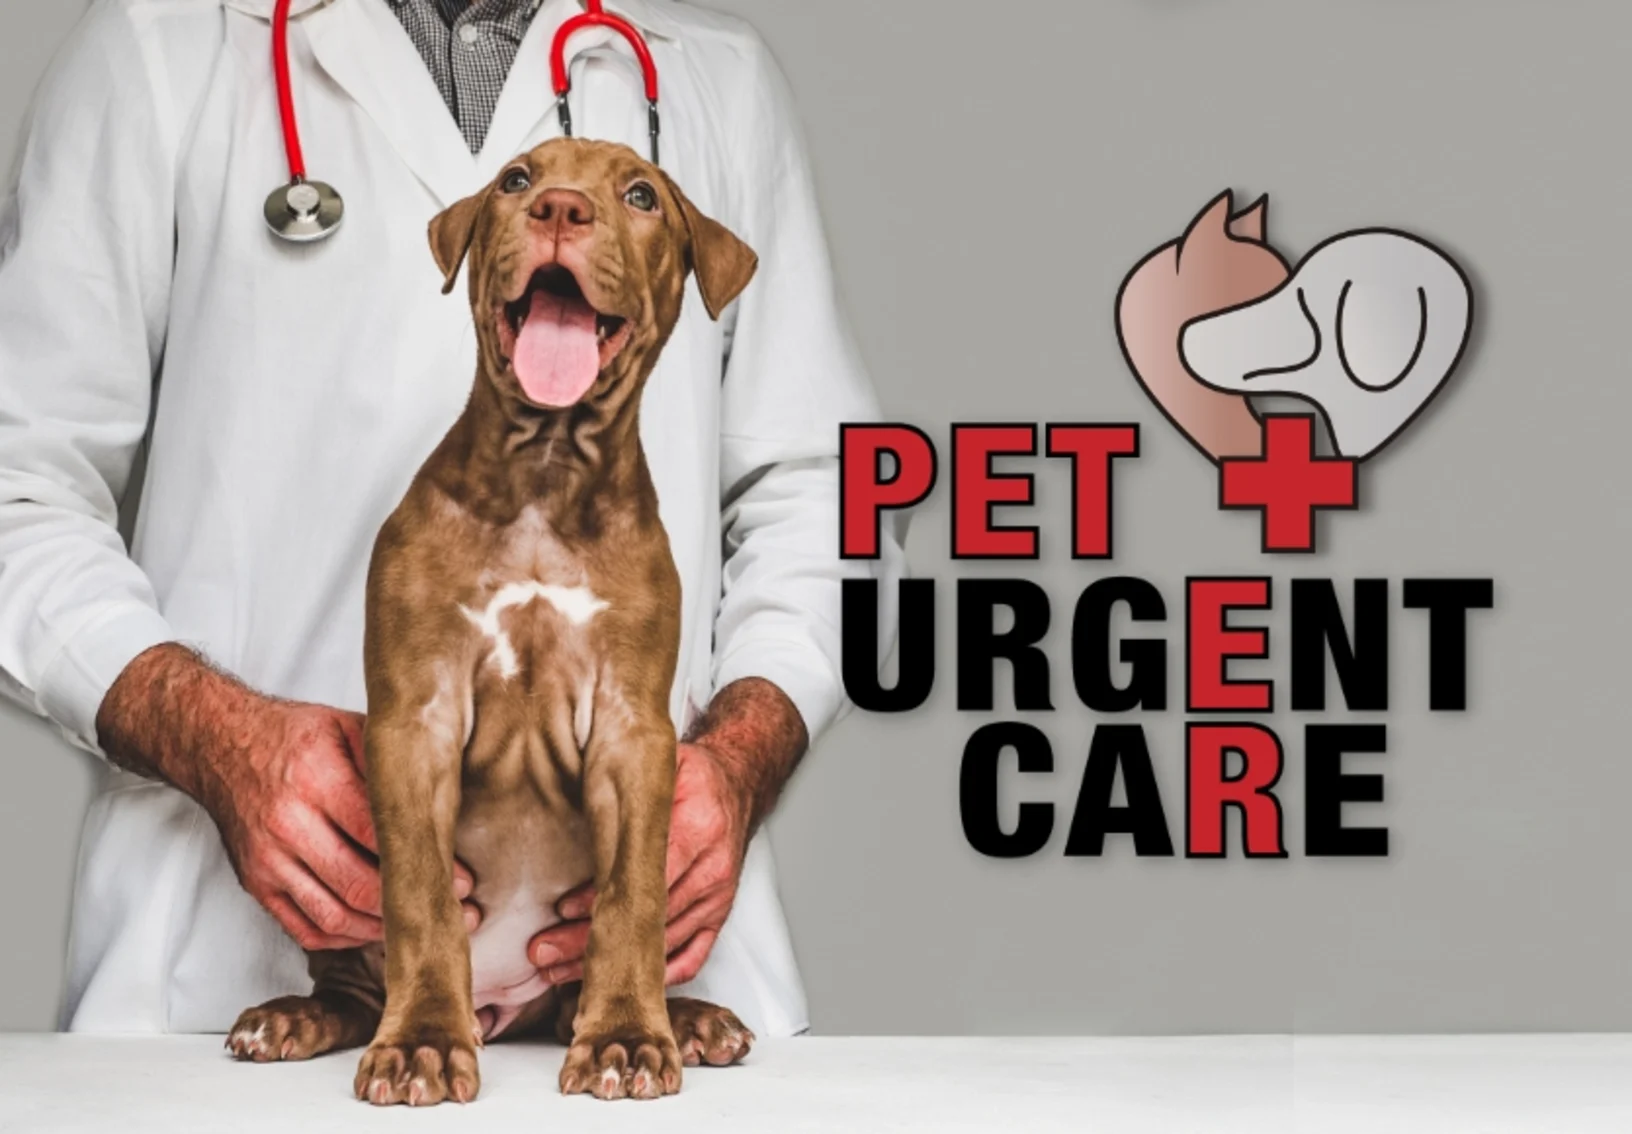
468,47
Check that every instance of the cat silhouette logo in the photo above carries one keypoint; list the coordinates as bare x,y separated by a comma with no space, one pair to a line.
1366,329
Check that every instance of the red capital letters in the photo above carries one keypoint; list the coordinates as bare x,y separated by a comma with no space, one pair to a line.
864,493
1212,644
975,489
1208,792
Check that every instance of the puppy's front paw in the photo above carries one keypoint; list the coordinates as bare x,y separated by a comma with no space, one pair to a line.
422,1067
632,1062
294,1027
708,1033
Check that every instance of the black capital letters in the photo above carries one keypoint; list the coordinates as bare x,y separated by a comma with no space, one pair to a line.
915,673
1327,788
980,645
1448,602
1090,647
977,791
1361,662
1143,817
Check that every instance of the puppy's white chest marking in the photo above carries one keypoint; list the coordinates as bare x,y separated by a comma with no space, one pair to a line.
576,604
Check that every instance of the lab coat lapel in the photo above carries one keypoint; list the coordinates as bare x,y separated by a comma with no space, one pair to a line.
527,96
360,44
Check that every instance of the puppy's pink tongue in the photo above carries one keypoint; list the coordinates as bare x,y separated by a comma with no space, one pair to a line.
557,356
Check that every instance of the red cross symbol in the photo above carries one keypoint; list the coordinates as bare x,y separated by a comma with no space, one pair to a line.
1288,483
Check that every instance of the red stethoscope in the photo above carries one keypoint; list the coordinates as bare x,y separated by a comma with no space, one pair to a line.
306,210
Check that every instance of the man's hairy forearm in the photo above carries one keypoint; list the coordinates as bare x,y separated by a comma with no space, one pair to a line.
757,738
173,716
167,711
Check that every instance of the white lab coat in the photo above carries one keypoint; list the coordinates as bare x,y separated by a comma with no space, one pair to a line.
292,391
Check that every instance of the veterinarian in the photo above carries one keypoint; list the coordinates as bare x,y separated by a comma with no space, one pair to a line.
285,393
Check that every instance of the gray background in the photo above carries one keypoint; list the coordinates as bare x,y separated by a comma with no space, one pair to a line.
987,182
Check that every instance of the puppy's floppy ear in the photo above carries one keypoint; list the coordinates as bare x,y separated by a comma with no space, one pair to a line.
451,232
722,263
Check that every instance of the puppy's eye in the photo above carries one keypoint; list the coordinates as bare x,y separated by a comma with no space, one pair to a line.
641,196
516,181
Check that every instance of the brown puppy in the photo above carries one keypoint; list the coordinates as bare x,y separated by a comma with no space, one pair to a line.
521,643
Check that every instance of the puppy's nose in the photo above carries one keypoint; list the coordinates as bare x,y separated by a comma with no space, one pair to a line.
566,209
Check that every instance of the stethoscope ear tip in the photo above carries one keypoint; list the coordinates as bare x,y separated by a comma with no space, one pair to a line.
303,211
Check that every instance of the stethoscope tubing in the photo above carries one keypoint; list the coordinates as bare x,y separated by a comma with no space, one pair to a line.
561,80
286,94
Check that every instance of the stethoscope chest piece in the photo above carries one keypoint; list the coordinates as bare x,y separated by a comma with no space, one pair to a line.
304,211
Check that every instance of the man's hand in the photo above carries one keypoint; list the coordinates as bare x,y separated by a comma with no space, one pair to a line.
283,781
708,836
727,779
293,812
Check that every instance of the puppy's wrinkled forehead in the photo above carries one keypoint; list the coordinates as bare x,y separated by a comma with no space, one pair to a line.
586,164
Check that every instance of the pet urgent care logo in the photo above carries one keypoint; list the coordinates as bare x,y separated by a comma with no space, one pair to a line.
1367,329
